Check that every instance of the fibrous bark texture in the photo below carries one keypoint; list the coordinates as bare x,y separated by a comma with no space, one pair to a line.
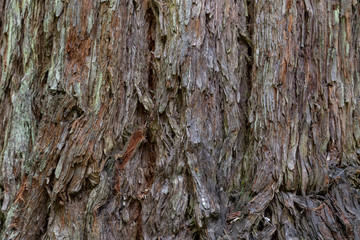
180,119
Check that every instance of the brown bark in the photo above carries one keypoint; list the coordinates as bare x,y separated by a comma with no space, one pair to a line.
180,119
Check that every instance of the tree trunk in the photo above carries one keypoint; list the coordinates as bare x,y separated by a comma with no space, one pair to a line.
180,119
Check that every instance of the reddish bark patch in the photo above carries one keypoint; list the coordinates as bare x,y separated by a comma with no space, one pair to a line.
135,141
123,157
77,47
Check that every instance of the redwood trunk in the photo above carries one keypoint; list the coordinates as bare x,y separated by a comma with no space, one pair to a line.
180,119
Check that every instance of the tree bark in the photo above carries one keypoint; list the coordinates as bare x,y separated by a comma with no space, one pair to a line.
180,119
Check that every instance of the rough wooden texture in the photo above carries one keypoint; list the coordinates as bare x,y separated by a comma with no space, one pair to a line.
180,119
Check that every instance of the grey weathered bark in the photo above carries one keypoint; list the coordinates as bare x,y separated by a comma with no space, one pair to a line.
180,119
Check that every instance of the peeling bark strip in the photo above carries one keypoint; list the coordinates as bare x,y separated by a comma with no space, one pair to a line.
251,111
136,139
123,157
